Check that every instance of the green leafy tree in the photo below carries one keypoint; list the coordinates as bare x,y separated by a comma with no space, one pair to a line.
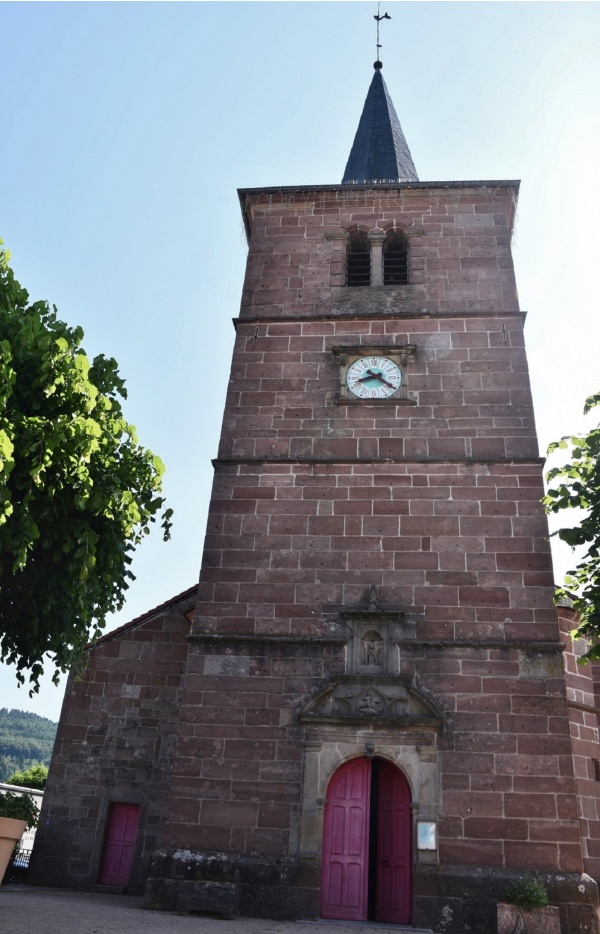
576,485
26,739
77,491
19,807
34,777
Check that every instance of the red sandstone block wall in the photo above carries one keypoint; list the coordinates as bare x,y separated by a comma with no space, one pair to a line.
468,391
237,777
463,548
459,247
434,498
507,780
115,743
582,686
464,544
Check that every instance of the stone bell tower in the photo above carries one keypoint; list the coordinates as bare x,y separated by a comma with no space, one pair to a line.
374,721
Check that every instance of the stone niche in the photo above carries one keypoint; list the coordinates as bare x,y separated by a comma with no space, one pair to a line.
372,632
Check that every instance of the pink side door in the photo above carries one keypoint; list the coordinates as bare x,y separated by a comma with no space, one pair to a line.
119,845
394,862
346,843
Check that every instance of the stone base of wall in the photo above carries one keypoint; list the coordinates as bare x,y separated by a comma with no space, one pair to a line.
229,885
459,900
449,900
513,920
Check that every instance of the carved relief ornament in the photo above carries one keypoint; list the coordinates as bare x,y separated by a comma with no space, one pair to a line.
355,699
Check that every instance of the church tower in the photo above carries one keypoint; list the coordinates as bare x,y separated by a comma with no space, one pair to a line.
374,719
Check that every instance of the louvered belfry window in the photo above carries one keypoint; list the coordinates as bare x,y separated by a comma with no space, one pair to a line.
358,259
395,259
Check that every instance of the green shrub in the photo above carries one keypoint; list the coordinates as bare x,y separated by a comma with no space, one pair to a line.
527,894
34,777
19,807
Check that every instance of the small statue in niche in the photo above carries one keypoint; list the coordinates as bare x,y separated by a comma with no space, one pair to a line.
371,646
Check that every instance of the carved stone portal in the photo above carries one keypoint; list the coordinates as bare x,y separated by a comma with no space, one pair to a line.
328,747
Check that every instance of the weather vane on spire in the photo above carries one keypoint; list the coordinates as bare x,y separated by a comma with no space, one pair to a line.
379,18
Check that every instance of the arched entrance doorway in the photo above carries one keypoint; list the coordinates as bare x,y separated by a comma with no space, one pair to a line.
367,853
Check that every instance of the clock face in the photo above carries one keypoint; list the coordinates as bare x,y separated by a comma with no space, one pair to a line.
373,378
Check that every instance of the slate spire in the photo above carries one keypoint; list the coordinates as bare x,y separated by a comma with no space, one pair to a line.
380,152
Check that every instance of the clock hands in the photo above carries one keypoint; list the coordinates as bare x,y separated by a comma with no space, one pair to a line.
377,376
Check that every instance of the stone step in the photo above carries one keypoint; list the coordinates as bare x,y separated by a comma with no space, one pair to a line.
366,926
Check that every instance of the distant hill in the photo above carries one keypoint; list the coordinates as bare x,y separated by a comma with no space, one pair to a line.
25,740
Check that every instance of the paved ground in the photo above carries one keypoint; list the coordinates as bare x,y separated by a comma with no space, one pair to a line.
30,910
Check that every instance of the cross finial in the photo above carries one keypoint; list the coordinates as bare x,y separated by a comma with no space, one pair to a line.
379,17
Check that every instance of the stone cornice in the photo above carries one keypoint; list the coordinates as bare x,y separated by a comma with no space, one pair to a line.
438,459
265,639
384,186
526,644
587,708
395,313
317,641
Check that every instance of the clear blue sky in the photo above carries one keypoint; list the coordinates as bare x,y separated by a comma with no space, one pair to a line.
127,127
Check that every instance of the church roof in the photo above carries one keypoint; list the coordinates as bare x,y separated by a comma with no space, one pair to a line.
380,153
186,597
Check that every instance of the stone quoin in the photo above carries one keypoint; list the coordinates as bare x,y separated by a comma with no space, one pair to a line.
367,709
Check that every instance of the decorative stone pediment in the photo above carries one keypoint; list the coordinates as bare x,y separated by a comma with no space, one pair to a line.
354,699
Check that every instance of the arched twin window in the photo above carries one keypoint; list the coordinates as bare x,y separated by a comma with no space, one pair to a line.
376,258
395,259
358,259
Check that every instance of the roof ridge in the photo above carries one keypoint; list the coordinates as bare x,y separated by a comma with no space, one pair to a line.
144,617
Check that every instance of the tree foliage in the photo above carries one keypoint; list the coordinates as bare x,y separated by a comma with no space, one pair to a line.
35,776
77,491
527,894
576,485
26,740
19,807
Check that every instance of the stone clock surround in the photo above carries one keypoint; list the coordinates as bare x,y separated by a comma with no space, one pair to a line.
347,354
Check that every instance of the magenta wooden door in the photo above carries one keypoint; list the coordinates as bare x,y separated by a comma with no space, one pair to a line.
394,850
346,843
119,844
367,847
